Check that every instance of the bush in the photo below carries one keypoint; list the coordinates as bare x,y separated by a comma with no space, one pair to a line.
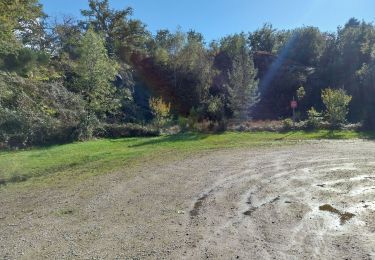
314,118
208,126
88,125
126,130
183,123
288,124
26,120
336,103
193,118
160,110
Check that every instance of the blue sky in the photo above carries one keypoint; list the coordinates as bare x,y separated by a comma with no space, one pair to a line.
217,18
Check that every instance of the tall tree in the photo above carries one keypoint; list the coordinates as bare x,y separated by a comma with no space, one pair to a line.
96,73
305,45
122,34
263,39
16,16
235,83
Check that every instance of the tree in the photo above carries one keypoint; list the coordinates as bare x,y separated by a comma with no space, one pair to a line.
96,71
16,16
336,102
240,81
66,36
22,36
122,35
305,45
242,87
355,43
263,39
366,77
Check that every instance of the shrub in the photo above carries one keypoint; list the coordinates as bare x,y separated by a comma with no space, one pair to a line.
193,118
215,109
183,123
88,125
336,103
314,118
301,93
26,120
126,130
288,124
160,110
208,126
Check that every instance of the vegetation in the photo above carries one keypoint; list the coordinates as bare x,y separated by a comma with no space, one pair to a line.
75,79
314,118
160,110
336,103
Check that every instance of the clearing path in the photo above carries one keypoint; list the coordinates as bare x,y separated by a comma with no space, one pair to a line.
313,200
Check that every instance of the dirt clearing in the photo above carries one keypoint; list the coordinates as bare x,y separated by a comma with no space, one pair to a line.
313,200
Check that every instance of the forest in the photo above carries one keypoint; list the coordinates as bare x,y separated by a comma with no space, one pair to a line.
105,75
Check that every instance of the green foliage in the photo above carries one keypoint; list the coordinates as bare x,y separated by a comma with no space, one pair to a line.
242,87
336,103
288,124
20,16
96,71
267,39
25,62
301,93
127,130
123,35
33,112
194,117
263,39
215,108
237,74
183,123
306,46
314,118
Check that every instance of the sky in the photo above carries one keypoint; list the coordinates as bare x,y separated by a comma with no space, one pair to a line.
217,18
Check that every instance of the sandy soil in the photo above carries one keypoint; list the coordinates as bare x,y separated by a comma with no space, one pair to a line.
314,200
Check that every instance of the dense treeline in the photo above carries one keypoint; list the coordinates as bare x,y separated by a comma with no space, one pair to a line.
105,73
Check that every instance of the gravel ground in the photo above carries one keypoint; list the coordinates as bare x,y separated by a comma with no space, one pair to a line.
313,200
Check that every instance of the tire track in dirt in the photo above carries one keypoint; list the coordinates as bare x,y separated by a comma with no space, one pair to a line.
285,204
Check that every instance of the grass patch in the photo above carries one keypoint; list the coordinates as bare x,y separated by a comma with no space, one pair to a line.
82,159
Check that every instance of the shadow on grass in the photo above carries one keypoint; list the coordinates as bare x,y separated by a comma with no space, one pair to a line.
285,136
369,135
331,134
182,137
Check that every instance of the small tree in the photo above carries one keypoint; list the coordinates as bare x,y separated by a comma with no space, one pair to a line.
336,102
243,87
96,71
160,110
314,118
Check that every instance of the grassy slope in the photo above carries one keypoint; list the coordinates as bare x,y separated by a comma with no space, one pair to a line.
80,160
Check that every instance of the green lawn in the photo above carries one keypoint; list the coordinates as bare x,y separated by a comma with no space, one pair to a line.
83,159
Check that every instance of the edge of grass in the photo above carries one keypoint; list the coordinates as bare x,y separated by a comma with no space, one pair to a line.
81,160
